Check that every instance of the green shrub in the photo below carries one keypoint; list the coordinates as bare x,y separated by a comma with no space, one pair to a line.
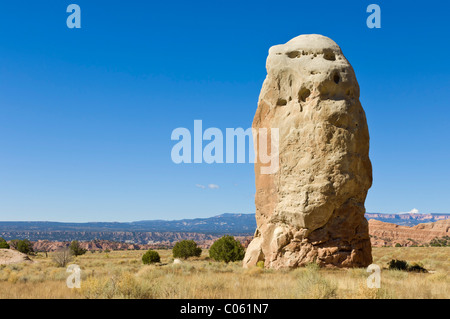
76,249
185,249
260,264
151,257
13,243
417,267
398,245
227,249
3,244
25,246
440,242
395,264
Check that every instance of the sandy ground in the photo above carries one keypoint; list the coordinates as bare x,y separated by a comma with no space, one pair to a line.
9,256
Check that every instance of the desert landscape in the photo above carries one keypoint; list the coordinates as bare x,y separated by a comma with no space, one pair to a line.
116,270
121,274
211,151
112,269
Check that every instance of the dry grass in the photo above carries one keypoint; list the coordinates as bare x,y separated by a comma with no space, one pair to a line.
121,274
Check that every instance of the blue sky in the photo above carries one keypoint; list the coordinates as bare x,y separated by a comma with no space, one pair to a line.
86,114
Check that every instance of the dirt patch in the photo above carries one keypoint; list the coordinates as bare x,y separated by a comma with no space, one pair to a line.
9,256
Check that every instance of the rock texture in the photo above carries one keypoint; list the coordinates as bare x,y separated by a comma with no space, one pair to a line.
387,234
312,208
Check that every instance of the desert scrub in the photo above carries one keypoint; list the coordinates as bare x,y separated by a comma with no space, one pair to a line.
151,257
185,249
221,267
254,271
227,249
396,264
358,272
365,292
129,287
125,286
94,288
313,285
3,244
396,274
204,278
439,277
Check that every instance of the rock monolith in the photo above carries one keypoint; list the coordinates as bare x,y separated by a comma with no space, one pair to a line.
312,208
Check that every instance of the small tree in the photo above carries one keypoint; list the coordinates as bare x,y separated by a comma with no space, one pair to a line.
13,243
227,249
185,249
417,267
62,256
396,264
25,246
3,244
76,249
151,257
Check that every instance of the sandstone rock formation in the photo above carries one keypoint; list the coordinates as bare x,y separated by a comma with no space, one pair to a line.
387,234
312,208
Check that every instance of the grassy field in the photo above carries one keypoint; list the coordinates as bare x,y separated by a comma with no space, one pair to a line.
121,274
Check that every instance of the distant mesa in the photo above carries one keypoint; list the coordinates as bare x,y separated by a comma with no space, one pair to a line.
143,235
386,234
222,224
407,219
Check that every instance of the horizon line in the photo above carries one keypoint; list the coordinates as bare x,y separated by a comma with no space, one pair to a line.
172,220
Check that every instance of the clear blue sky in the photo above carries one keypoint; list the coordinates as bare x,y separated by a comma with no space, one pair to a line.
86,115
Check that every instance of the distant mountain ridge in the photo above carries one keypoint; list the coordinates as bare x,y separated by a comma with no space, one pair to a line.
221,224
232,224
407,219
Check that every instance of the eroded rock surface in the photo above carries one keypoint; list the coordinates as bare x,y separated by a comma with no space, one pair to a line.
312,208
387,234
